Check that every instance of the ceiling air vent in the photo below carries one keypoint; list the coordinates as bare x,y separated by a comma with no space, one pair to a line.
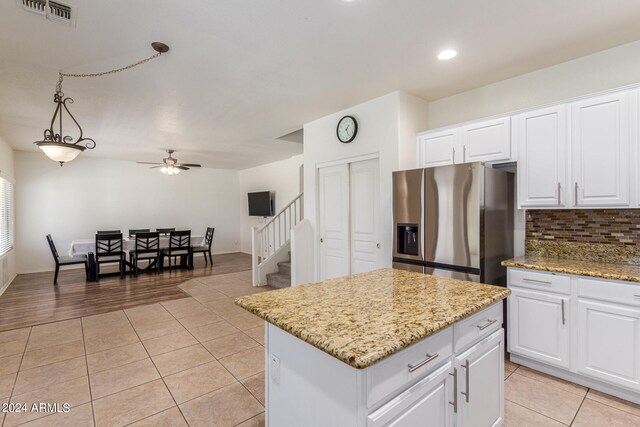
52,10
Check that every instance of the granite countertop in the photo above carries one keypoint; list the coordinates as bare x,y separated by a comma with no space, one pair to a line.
363,318
605,270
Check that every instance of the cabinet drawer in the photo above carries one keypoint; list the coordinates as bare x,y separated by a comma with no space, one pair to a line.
541,281
392,373
623,293
477,326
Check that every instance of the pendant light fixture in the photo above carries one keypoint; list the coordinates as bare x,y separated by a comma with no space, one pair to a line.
58,145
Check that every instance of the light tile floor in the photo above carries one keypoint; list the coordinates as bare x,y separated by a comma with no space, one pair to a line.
199,361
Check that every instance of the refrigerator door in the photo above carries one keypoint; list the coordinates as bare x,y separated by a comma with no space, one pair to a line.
452,215
408,214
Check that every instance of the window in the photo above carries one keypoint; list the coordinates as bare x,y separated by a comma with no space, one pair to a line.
6,216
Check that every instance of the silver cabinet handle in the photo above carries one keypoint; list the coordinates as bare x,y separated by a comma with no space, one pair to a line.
453,154
486,325
576,193
637,296
563,312
466,367
464,153
559,197
419,365
455,390
542,282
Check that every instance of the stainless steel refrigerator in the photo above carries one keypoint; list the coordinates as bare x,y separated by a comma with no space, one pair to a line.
454,221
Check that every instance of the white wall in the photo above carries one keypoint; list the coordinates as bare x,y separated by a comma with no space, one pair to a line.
88,194
604,70
386,126
7,171
281,177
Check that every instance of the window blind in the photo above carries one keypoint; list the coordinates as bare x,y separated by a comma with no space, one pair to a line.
6,216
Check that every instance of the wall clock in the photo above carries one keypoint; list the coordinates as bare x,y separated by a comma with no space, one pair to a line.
347,129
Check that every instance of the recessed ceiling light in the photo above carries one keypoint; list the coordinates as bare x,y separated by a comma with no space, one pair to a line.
447,54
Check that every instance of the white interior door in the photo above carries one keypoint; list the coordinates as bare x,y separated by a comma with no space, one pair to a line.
333,221
365,216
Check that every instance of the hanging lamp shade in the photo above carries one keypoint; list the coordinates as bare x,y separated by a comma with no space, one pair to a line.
60,152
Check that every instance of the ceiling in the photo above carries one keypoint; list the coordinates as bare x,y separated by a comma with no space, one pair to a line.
242,73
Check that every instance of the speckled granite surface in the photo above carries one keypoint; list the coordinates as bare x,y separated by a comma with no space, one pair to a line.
363,318
612,271
597,252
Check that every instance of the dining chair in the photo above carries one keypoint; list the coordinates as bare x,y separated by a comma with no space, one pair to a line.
179,246
206,248
134,231
109,249
147,248
66,260
165,231
108,232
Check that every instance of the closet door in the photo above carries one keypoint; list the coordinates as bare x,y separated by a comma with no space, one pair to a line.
333,221
365,216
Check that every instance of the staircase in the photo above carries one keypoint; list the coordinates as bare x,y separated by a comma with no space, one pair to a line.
271,258
281,279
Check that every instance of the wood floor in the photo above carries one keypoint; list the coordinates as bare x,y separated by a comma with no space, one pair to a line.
32,299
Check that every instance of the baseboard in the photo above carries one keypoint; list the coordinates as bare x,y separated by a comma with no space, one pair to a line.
6,286
577,378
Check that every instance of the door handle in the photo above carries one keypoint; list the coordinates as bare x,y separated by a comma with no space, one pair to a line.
455,390
563,322
419,365
321,240
466,366
559,192
378,245
486,325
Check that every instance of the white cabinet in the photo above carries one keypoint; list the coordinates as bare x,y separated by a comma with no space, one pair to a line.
439,148
538,326
480,376
601,151
427,400
487,141
542,137
609,342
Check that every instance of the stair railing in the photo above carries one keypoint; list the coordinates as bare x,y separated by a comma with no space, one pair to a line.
268,239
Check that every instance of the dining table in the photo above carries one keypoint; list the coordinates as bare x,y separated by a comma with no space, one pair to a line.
87,247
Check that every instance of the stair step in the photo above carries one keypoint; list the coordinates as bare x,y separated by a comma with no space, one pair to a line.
279,280
285,268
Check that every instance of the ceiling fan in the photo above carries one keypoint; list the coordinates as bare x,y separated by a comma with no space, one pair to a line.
170,165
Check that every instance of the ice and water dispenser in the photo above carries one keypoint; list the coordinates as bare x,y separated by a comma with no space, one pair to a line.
408,239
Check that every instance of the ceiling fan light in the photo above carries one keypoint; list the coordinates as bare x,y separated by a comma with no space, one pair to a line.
163,169
59,151
176,171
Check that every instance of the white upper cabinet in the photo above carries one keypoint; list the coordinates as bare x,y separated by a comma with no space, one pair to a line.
439,148
542,137
601,146
487,141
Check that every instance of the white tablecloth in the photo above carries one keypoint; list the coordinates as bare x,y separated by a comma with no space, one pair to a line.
84,246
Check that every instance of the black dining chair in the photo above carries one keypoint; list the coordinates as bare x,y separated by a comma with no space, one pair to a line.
134,231
206,248
66,260
109,250
179,245
108,232
165,231
147,248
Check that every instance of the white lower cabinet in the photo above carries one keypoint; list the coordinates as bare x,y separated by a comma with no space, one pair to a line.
609,342
587,333
538,326
428,400
480,376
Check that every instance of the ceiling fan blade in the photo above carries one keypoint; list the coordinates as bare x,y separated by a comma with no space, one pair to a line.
184,168
149,163
155,167
191,165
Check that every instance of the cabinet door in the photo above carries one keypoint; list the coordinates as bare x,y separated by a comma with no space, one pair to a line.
488,141
426,403
480,372
538,326
333,201
542,158
439,148
609,342
601,151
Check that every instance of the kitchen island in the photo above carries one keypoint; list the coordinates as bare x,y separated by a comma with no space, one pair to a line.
387,347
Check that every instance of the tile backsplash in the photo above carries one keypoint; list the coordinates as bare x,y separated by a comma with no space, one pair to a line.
607,235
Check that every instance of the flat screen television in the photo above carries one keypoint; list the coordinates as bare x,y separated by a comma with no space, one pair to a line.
260,204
